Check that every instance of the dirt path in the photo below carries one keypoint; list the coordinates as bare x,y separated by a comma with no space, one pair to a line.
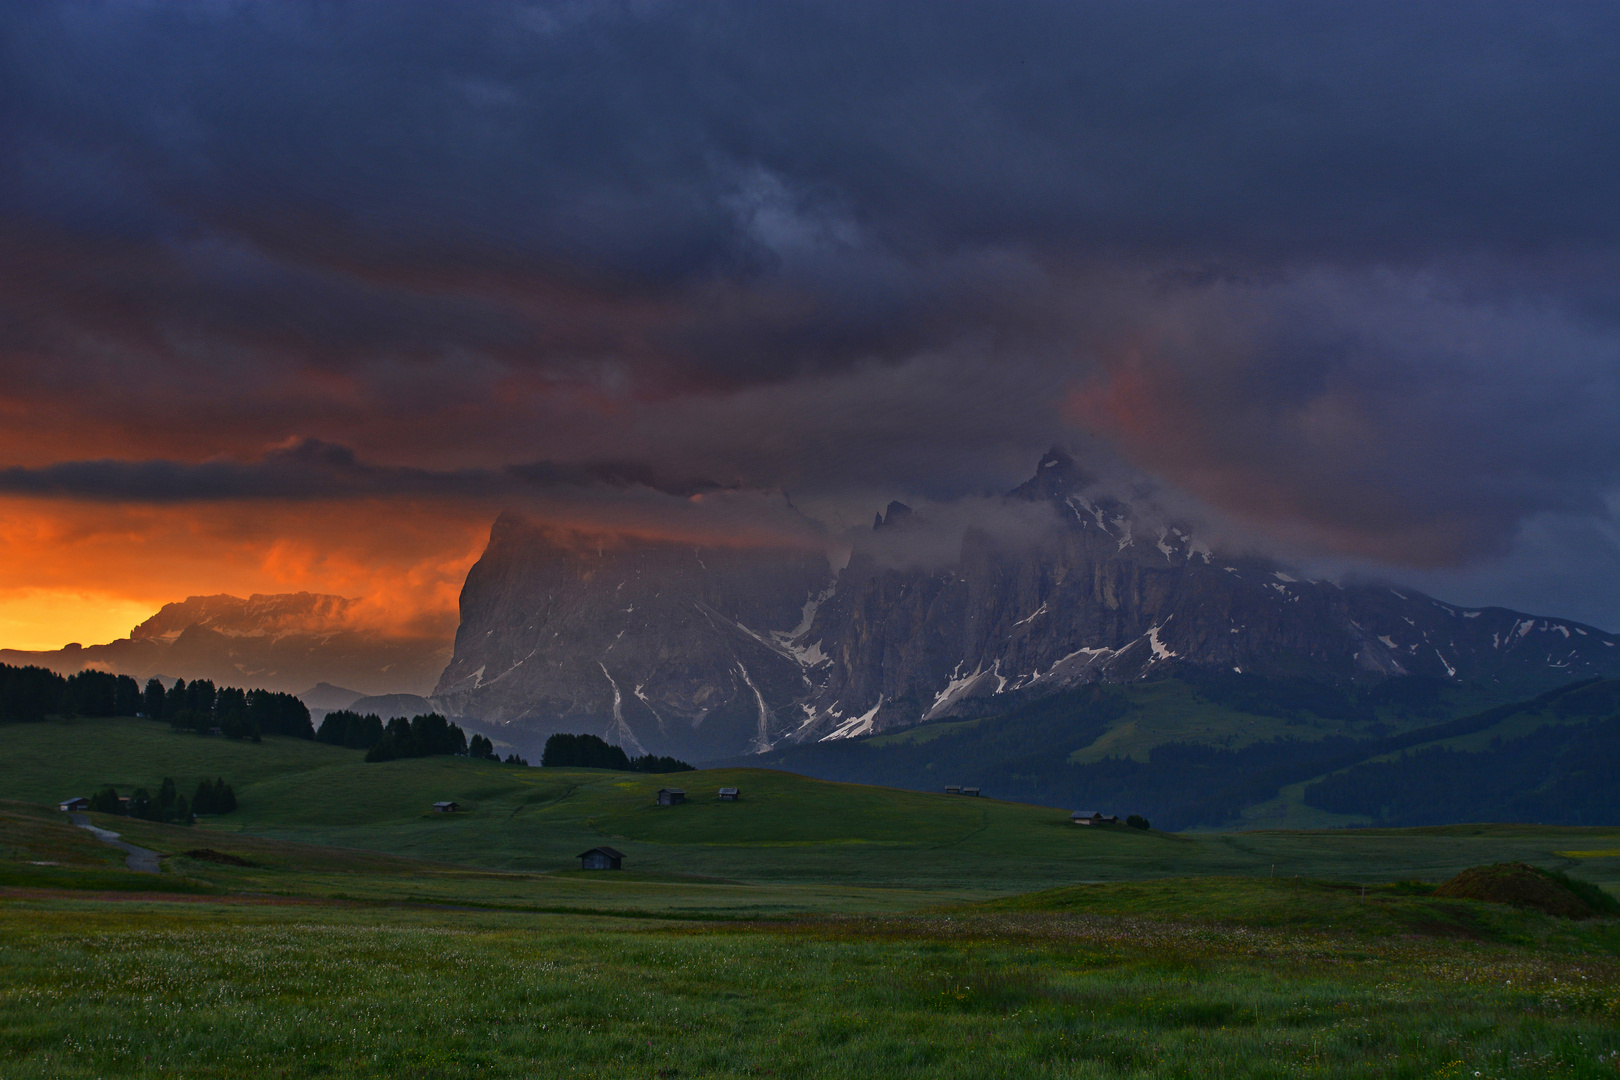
142,859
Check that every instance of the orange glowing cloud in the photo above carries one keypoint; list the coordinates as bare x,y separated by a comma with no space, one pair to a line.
88,573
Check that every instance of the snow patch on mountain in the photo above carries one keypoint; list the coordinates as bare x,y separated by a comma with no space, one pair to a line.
855,725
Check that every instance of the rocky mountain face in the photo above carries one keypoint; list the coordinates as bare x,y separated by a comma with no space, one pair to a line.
1110,595
711,653
284,642
660,647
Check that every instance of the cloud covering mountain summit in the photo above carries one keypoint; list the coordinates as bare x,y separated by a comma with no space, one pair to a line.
1348,275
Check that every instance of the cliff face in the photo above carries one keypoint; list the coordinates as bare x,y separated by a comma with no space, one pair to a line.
710,653
662,647
1108,595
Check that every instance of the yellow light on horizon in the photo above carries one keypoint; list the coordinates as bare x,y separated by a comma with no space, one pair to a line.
43,619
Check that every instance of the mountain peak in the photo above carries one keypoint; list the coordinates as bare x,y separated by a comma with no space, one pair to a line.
1056,476
897,513
1055,457
258,614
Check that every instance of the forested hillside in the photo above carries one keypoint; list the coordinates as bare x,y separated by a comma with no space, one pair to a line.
1237,743
1562,772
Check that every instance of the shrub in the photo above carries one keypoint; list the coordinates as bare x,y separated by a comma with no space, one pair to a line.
1522,886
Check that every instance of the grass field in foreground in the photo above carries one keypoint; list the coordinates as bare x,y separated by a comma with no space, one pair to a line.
812,930
154,989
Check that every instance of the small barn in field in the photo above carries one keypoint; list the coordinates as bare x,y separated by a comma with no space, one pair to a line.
446,807
1094,817
953,789
671,796
971,792
78,802
601,858
729,794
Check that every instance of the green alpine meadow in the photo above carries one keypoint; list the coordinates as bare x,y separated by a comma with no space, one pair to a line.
799,539
335,924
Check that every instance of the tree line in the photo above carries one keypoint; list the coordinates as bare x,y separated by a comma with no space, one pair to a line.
237,713
33,693
168,805
428,735
589,752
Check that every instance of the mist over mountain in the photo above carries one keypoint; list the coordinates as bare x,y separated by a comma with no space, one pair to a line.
712,652
287,642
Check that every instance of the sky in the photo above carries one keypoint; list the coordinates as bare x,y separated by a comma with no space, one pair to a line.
300,295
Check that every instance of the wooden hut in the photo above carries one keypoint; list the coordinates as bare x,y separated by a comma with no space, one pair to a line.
953,789
446,807
601,858
971,791
729,794
78,802
671,796
1094,817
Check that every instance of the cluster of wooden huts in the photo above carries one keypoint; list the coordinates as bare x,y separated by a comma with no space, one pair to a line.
606,858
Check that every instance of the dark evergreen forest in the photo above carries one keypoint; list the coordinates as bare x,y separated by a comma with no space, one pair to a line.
1562,773
1557,776
590,752
34,693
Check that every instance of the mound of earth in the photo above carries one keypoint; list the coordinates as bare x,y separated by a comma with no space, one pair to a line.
1518,884
210,855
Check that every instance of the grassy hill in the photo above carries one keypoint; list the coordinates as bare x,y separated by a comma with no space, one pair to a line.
50,761
788,832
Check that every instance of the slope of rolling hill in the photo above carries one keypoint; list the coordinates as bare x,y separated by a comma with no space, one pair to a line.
788,832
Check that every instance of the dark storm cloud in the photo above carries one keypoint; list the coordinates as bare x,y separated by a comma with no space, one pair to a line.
313,470
1348,272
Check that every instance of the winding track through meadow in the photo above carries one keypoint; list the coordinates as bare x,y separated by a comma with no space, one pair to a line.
143,860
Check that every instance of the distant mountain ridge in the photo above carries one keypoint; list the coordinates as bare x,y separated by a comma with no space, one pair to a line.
283,641
260,615
709,653
1111,595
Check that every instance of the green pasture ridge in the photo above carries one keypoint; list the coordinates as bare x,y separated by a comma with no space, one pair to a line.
786,831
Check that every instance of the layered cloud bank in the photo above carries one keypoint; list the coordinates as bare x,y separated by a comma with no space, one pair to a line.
297,296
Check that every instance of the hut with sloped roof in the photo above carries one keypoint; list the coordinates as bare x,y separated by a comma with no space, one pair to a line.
601,858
